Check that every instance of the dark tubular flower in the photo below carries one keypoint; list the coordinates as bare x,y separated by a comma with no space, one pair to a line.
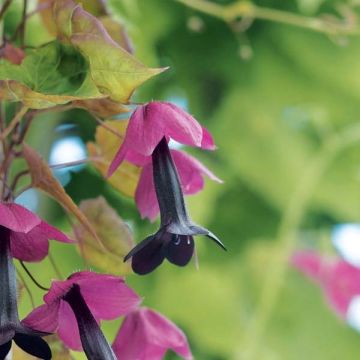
10,327
93,340
174,240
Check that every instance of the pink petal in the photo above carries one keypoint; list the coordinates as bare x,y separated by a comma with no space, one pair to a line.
341,285
57,290
43,318
310,263
145,334
53,233
118,159
68,330
107,296
33,246
17,218
207,141
145,196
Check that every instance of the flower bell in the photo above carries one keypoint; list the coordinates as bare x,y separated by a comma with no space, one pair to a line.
174,240
72,303
10,327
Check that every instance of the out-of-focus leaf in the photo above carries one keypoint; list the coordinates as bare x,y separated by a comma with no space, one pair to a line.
117,32
58,349
53,74
102,152
43,179
103,108
114,233
115,72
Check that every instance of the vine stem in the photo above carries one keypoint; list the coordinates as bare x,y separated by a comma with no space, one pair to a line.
15,120
286,237
246,9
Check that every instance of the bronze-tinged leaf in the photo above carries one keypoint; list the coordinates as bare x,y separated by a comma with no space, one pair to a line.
114,233
115,72
58,349
11,53
102,152
103,108
43,179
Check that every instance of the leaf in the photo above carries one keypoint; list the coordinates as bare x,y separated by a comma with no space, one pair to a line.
43,179
126,177
103,108
115,72
114,233
50,75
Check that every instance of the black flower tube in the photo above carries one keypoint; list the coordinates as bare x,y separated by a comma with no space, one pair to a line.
93,340
10,327
174,240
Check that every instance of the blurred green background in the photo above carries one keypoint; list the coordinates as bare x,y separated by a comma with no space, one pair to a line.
283,105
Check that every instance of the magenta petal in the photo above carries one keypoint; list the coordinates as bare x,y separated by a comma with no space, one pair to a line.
145,334
33,246
43,318
17,218
107,297
341,285
145,196
207,141
68,330
191,172
53,233
310,263
118,159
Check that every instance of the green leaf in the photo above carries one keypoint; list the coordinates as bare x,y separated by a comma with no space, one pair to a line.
50,75
115,235
115,72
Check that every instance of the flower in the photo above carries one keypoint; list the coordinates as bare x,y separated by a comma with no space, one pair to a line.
174,240
339,280
191,173
149,123
147,335
106,296
10,326
29,235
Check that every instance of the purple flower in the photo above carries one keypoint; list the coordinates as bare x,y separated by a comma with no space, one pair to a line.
73,303
151,122
147,335
10,326
29,235
339,280
191,173
174,240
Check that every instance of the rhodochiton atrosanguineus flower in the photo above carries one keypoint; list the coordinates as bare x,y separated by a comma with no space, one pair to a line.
10,326
340,280
174,240
74,307
191,173
29,235
147,335
151,122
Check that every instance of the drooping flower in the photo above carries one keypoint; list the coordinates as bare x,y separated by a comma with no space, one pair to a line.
191,173
174,240
29,235
10,326
147,335
106,297
339,280
151,122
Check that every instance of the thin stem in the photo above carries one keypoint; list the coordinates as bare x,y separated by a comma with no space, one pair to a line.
243,8
107,127
23,24
4,8
286,238
17,178
71,163
32,277
16,119
27,289
55,267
